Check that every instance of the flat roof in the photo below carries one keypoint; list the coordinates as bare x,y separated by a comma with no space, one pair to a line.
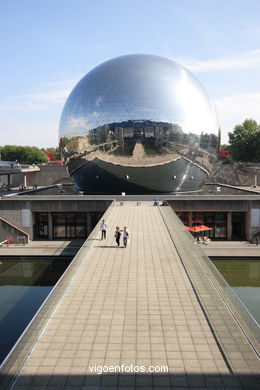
69,192
69,189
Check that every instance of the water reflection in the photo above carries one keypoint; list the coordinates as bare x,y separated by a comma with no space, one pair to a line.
244,277
24,285
139,111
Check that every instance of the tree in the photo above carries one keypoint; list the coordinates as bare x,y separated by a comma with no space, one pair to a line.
208,141
55,152
23,154
245,141
225,147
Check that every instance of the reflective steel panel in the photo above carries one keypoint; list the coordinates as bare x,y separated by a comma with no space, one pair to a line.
135,112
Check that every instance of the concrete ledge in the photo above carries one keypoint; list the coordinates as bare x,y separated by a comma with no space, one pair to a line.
231,252
38,251
44,248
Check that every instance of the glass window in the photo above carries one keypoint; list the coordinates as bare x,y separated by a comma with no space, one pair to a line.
221,231
41,225
197,218
220,217
70,231
59,231
81,218
209,221
209,218
59,218
221,225
183,217
43,217
71,225
70,218
81,231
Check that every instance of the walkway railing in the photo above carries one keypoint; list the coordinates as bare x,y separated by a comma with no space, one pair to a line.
13,362
194,258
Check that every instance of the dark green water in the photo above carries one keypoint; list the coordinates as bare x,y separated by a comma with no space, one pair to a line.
24,285
244,277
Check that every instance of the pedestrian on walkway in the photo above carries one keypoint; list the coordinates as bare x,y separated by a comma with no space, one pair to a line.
117,236
103,229
125,236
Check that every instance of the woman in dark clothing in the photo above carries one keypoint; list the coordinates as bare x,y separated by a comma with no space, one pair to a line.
117,236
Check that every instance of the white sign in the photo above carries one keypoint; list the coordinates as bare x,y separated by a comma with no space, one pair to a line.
255,217
26,217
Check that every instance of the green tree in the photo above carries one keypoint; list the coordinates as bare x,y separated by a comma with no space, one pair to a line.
23,154
245,141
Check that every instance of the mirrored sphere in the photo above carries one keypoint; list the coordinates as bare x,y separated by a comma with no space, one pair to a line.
138,124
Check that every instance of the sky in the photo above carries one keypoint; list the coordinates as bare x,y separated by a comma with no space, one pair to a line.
47,46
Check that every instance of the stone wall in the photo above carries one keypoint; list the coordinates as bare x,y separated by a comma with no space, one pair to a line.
48,175
235,175
7,230
232,174
14,217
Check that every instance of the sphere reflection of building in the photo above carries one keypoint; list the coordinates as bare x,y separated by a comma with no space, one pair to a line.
138,124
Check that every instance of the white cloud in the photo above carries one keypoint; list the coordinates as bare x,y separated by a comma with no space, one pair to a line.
234,109
246,60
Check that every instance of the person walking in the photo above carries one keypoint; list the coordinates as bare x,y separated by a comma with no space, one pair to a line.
125,236
103,229
117,236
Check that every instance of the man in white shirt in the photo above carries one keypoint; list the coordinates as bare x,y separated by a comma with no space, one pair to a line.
103,229
125,236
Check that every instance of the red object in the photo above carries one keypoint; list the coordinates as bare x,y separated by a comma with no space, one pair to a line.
222,154
8,240
52,159
203,227
198,228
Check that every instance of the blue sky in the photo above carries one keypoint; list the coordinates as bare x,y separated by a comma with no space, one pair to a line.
48,45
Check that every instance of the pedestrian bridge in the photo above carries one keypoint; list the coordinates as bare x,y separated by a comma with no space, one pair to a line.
9,168
158,303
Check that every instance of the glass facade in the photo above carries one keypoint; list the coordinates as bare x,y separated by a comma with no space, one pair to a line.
139,111
73,225
65,225
217,221
238,225
41,225
184,217
220,225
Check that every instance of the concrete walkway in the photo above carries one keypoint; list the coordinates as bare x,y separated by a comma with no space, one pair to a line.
132,306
